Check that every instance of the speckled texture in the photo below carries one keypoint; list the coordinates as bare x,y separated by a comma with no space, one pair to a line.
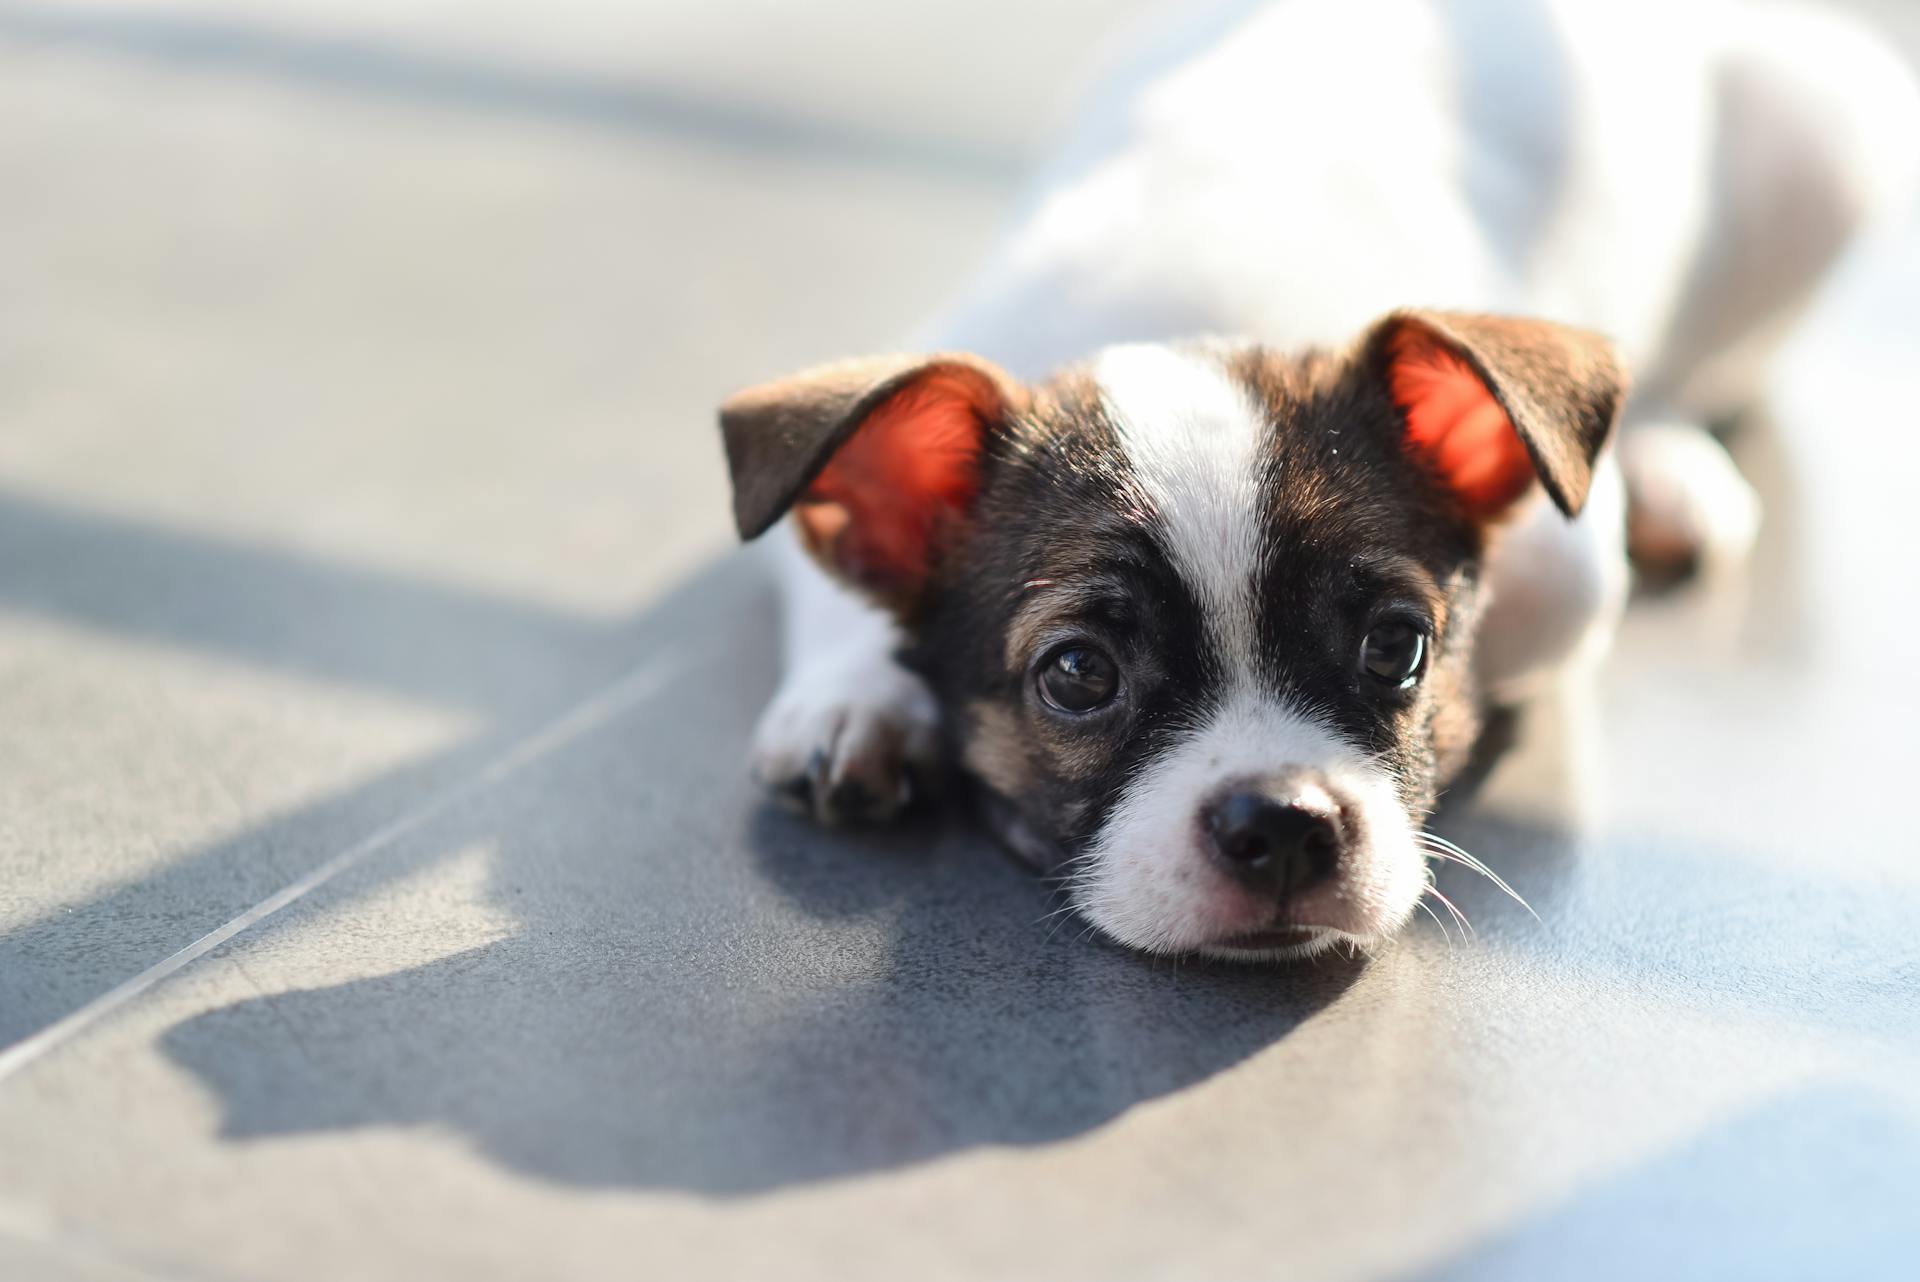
380,441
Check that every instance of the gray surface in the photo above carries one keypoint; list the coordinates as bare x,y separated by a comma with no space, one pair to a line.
359,515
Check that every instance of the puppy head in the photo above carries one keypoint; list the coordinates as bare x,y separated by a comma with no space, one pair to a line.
1202,616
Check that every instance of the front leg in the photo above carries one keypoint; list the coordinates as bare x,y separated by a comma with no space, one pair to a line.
1556,590
850,735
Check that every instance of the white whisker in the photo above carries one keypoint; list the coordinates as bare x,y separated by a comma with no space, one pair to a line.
1441,848
1466,926
1427,908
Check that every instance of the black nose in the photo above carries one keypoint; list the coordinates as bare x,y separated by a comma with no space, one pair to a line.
1280,835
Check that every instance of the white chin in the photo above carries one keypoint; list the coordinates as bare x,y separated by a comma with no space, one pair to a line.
1305,942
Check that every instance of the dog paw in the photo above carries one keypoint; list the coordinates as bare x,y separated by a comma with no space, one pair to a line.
1688,507
849,741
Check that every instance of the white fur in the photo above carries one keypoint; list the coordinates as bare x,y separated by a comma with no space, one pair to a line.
1321,162
1150,884
1194,439
1688,497
845,710
1556,589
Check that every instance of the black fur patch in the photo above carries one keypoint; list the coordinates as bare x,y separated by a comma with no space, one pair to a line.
1060,549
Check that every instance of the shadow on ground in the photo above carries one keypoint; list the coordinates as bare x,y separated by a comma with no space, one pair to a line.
701,993
721,1005
705,994
510,664
746,1061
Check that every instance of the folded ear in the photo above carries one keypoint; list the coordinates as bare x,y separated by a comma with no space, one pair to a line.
1493,403
878,460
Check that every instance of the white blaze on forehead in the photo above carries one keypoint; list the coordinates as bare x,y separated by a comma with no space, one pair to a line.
1195,438
1196,441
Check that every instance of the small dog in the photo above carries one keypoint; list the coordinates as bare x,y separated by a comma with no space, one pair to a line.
1211,622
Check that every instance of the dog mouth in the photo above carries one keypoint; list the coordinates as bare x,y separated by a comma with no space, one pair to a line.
1276,939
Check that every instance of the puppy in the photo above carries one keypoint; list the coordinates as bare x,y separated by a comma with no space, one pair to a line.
1210,622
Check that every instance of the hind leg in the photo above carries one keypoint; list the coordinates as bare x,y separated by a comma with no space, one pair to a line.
1688,508
1815,129
1816,124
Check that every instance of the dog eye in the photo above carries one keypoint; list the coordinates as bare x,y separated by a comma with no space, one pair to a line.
1393,652
1078,678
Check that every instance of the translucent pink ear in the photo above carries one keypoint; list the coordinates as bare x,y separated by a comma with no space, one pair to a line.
1494,403
910,470
1457,425
878,460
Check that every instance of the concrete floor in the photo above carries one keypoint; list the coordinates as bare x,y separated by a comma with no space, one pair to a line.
380,896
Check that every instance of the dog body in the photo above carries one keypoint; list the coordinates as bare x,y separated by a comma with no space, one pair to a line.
1212,621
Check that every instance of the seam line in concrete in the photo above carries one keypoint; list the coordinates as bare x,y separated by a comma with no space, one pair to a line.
594,711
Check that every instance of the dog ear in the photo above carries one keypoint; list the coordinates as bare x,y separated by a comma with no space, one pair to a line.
878,460
1493,403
